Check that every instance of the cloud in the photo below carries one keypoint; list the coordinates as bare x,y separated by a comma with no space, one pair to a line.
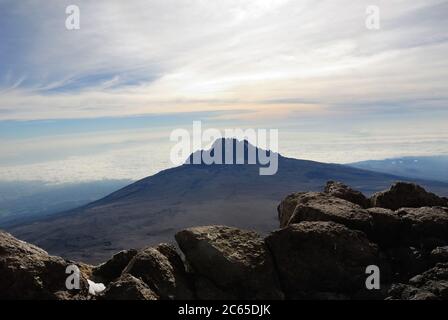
173,56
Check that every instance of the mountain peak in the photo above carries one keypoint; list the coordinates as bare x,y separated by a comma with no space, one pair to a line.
231,151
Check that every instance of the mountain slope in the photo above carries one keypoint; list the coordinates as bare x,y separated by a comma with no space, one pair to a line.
151,210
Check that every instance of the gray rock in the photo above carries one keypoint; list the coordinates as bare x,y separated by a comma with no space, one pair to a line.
167,280
315,206
403,194
387,227
112,269
323,257
28,272
430,285
426,227
342,191
235,261
128,287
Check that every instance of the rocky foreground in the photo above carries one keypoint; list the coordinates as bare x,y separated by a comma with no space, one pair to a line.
321,251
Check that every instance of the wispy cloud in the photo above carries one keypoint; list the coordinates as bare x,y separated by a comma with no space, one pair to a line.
174,56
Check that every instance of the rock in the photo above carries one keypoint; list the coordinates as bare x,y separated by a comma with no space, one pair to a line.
315,206
168,280
235,261
128,287
439,255
112,269
207,290
286,208
340,190
407,262
28,272
430,285
323,257
426,227
387,227
403,194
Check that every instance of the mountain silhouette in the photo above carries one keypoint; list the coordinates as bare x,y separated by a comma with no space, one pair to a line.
151,210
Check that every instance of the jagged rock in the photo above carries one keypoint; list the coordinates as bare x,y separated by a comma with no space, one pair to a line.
112,269
439,254
430,285
168,280
426,227
314,206
28,272
322,257
128,287
403,194
342,191
286,208
236,261
387,227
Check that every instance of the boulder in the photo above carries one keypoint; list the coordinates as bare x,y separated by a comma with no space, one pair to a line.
403,194
426,227
387,227
28,272
323,257
286,208
112,269
235,261
167,280
342,191
128,287
316,206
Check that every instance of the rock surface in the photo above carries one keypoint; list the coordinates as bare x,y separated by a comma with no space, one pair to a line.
28,272
430,285
156,270
342,191
403,194
316,206
128,287
426,226
234,260
112,269
321,257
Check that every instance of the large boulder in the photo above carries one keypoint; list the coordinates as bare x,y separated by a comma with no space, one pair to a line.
403,194
315,206
128,287
233,260
342,191
28,272
313,257
167,280
112,269
426,227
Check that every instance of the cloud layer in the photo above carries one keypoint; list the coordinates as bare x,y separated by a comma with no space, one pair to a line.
168,56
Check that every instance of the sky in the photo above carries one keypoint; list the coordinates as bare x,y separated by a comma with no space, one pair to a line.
100,102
